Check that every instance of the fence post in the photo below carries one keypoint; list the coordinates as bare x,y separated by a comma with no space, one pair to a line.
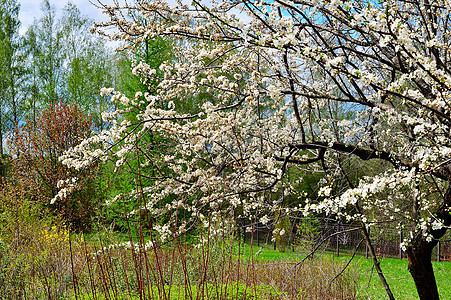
366,245
400,242
258,241
438,251
338,239
243,225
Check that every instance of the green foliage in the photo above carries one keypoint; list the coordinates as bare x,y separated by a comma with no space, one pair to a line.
152,52
44,40
11,69
4,166
124,180
89,64
306,231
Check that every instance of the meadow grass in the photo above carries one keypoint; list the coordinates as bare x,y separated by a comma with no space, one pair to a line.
233,290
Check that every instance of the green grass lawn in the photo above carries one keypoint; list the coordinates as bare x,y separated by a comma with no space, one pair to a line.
399,279
395,271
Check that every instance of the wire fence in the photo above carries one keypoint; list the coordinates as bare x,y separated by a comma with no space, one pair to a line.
346,238
386,241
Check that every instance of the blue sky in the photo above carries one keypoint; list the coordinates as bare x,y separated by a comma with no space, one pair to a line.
31,9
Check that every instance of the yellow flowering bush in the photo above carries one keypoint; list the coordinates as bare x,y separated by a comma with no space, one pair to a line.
52,237
35,256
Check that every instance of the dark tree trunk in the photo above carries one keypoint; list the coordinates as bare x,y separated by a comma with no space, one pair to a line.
419,256
419,252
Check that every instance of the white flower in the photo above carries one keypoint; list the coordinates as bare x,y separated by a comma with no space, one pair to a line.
436,225
325,191
264,220
106,91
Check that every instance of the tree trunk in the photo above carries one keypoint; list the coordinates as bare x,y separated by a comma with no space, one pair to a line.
419,256
419,252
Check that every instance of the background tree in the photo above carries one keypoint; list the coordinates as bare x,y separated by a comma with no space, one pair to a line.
90,64
10,69
152,52
45,38
66,61
36,147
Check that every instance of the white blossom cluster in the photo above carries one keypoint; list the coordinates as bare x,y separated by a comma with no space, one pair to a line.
284,90
66,187
137,247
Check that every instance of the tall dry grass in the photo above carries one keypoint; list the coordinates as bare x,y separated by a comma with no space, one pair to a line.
63,268
40,259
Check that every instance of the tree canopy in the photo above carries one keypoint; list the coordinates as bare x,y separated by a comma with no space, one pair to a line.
318,86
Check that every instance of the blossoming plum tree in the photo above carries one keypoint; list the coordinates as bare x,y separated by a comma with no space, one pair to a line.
276,74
